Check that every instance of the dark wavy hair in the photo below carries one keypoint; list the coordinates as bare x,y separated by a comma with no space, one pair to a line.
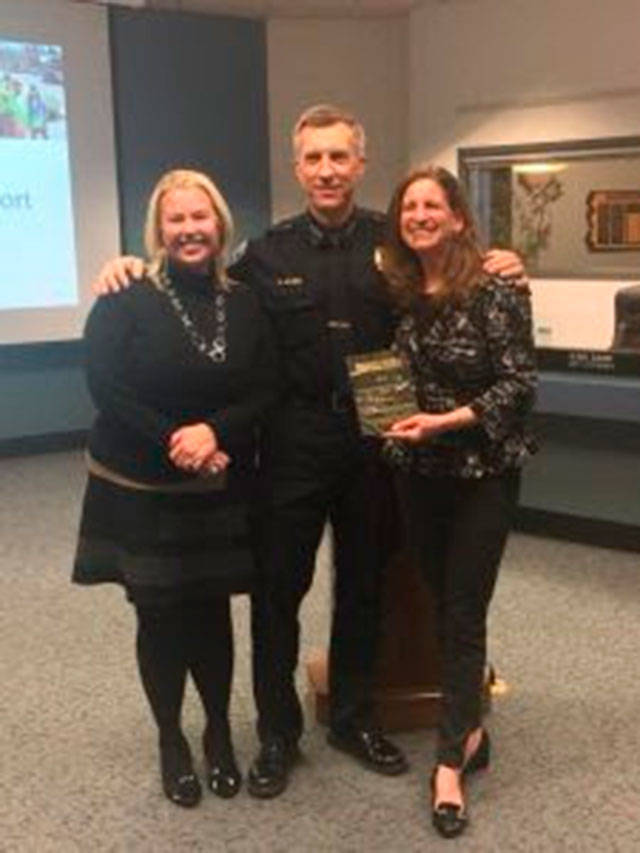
463,261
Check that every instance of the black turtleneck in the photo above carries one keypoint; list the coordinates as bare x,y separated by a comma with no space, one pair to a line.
147,378
196,292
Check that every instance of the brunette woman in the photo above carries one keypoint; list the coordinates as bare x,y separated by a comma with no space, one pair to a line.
468,342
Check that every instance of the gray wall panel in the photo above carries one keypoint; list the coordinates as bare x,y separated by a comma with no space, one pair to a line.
190,90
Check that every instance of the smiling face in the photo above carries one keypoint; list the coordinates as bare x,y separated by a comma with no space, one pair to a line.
426,220
328,167
190,228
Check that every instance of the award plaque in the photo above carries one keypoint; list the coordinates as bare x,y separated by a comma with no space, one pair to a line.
383,390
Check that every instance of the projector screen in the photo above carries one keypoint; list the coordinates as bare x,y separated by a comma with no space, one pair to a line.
58,198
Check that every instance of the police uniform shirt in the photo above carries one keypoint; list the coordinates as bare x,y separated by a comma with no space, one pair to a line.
325,298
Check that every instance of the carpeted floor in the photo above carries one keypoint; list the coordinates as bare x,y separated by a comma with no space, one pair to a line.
78,766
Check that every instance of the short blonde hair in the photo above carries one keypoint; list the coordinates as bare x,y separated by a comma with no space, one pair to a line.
325,115
184,179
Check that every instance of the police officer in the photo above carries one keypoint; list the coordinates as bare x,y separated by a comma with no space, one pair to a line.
319,285
318,282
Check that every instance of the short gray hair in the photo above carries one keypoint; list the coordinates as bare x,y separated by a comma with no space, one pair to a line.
325,115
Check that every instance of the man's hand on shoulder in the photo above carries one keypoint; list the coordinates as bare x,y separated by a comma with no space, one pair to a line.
504,263
117,274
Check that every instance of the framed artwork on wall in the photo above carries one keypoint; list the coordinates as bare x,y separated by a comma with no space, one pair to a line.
613,220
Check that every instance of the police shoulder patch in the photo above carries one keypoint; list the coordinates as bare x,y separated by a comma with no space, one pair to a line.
379,258
376,216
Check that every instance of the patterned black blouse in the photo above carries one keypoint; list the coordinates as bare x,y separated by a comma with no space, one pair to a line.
478,354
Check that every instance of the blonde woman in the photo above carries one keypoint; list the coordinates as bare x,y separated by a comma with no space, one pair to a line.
181,368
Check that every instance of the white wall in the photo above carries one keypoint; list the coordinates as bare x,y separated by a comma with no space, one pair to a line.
486,72
497,72
358,64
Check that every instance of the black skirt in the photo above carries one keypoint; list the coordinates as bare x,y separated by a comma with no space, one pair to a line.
164,548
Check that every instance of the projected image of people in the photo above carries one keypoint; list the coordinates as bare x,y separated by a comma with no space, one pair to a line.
35,182
32,102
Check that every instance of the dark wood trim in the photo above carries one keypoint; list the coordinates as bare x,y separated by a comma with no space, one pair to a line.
588,531
576,147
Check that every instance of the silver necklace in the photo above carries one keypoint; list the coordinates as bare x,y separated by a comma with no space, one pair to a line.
216,348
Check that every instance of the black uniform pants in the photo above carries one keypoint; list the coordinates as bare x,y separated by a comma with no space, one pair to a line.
458,529
342,491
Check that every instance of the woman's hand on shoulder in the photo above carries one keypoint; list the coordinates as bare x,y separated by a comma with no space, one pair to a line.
117,274
194,447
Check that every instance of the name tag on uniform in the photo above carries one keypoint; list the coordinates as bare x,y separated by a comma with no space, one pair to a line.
289,281
339,324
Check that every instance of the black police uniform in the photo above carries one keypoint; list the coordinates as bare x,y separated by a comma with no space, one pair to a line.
326,299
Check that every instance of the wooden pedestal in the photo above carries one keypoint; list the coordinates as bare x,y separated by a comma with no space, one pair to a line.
407,694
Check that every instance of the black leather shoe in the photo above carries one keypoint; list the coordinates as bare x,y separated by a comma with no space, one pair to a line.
481,757
179,782
223,775
371,749
269,774
449,819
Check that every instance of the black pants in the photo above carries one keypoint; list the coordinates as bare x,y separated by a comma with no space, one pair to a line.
342,491
458,529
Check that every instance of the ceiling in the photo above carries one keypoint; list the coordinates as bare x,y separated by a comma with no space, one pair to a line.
277,8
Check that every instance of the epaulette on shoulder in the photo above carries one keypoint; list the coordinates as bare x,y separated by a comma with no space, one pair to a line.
285,225
374,221
369,215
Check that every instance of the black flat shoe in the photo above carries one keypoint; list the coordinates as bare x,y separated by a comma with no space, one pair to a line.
481,757
179,782
371,749
269,774
223,776
449,819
